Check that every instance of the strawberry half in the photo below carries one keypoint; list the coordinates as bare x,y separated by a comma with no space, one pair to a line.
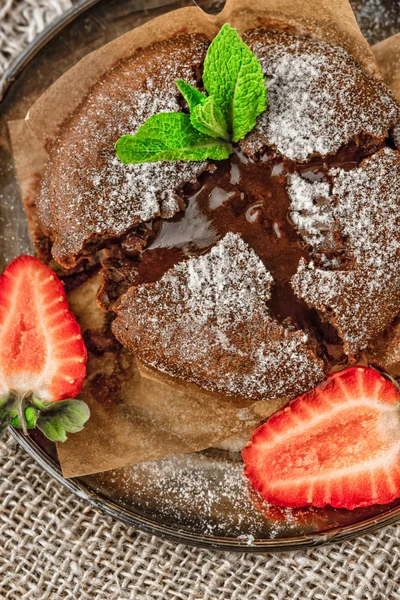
337,445
42,353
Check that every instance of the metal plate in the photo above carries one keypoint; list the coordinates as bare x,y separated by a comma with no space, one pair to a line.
200,499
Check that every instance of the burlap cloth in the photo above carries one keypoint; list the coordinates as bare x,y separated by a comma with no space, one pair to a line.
53,546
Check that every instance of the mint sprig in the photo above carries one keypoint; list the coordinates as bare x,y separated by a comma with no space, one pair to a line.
235,83
205,115
209,119
192,95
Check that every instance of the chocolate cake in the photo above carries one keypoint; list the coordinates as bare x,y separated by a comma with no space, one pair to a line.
356,286
384,351
88,197
250,277
319,99
206,322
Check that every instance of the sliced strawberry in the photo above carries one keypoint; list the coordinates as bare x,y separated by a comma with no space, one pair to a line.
42,353
337,445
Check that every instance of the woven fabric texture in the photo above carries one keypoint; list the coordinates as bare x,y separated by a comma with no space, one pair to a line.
53,546
21,21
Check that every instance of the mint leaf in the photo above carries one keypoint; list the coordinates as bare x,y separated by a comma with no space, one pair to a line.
60,418
205,116
169,137
209,119
234,78
192,96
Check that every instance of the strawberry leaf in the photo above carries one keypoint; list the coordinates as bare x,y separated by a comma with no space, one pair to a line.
40,404
30,418
60,418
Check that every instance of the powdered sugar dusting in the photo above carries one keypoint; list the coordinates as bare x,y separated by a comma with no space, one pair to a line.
361,302
377,19
362,294
318,98
211,493
104,197
227,285
207,493
368,210
206,321
311,212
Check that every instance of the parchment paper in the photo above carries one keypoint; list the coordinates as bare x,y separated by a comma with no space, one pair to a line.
133,418
387,54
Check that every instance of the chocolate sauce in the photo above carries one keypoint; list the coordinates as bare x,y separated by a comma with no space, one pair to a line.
242,196
255,205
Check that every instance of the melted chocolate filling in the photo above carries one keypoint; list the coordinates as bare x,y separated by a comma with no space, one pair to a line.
246,197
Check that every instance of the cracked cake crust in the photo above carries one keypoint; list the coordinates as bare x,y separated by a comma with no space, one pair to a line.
288,191
361,296
206,322
88,196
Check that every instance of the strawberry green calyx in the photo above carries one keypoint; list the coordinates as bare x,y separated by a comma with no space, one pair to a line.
235,95
53,419
31,415
57,419
12,408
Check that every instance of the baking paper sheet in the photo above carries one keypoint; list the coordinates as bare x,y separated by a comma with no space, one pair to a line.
133,418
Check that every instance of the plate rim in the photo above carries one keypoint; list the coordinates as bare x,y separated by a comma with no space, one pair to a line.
229,544
22,59
110,508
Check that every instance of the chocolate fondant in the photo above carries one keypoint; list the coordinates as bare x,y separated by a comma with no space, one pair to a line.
206,322
88,197
250,277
